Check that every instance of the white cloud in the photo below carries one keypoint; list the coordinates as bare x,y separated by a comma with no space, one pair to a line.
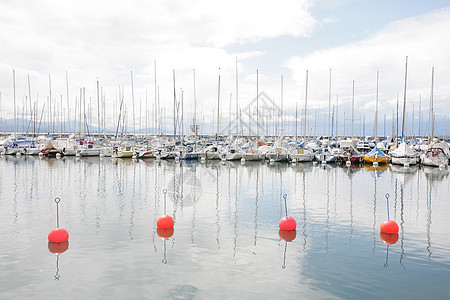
421,38
108,39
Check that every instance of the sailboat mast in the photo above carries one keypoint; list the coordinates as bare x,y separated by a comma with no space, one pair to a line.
281,115
237,101
353,106
404,100
420,113
98,109
132,100
396,135
68,106
146,114
14,94
337,115
31,110
50,105
257,108
376,112
306,108
431,115
195,107
174,107
218,110
157,108
329,108
296,120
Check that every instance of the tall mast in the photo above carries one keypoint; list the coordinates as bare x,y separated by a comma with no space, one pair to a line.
237,100
218,110
329,108
353,106
14,91
31,110
306,109
404,100
132,100
68,110
195,107
257,109
50,104
376,112
337,115
79,120
174,107
396,136
431,115
98,108
146,114
282,121
420,112
296,120
156,104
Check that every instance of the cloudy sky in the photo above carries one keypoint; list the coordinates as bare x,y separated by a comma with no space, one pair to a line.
107,40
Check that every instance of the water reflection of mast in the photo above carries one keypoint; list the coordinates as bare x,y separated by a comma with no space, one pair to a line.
401,225
256,205
418,197
156,206
351,207
130,231
217,208
304,211
395,198
429,219
335,195
194,202
374,208
236,204
281,191
328,211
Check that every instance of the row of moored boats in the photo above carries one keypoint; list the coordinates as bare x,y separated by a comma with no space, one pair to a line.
282,149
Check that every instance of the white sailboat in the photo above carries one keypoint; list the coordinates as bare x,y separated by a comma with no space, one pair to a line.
403,155
436,155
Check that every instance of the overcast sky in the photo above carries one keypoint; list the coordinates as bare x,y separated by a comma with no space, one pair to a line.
106,40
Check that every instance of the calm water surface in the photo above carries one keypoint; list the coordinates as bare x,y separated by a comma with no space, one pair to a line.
226,242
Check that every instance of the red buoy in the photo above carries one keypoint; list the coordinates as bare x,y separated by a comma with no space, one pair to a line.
389,239
58,235
58,248
287,235
165,233
165,221
389,226
287,223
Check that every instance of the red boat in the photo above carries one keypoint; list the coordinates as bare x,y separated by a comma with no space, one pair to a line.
51,151
352,155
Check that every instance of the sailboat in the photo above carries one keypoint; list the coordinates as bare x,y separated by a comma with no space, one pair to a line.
210,152
251,153
403,155
279,152
325,156
376,156
437,155
352,155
